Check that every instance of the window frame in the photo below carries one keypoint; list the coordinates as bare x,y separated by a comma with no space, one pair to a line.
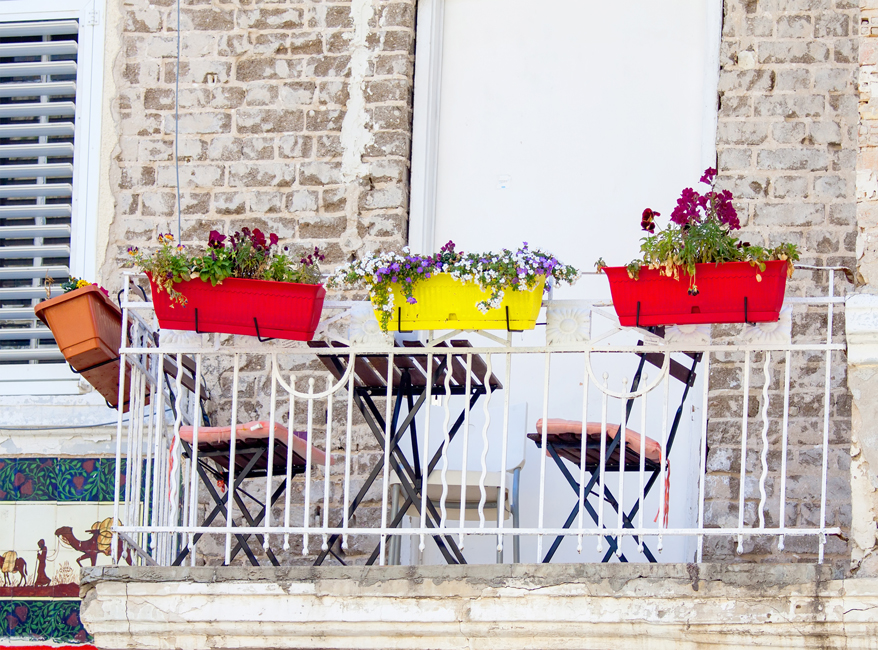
58,379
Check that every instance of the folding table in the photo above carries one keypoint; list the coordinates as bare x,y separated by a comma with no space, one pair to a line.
568,446
409,387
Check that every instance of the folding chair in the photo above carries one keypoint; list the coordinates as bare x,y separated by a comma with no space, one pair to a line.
564,442
251,461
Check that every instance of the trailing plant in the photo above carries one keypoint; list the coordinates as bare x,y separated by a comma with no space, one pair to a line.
245,254
383,274
700,233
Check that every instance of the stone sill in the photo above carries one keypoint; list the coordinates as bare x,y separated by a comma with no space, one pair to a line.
484,606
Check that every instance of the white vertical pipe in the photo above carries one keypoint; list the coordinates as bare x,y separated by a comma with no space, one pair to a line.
425,464
114,541
327,461
469,386
196,423
309,427
602,461
705,403
176,457
389,434
543,448
784,441
583,453
504,452
622,453
763,458
446,429
744,415
642,466
291,424
483,494
269,460
347,455
826,405
233,439
664,460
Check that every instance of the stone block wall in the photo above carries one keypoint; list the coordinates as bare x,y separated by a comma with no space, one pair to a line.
294,118
787,140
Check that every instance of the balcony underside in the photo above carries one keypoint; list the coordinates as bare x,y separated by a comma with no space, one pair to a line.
511,606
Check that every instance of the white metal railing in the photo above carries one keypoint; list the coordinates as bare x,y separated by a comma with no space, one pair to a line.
580,367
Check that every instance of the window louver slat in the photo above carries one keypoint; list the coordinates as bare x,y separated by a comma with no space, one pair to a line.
31,232
49,89
60,150
38,67
33,272
53,109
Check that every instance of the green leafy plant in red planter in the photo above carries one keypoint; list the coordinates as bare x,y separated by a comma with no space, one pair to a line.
696,271
238,284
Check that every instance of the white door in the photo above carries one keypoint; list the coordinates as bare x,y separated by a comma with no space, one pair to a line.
557,123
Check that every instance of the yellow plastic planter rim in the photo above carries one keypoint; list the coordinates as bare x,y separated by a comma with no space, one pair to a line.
444,303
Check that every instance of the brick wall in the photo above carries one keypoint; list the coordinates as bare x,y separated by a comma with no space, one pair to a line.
787,147
867,167
294,117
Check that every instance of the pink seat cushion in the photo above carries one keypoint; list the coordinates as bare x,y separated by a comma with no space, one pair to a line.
257,429
652,449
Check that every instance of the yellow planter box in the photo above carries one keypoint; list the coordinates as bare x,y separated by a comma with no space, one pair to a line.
448,304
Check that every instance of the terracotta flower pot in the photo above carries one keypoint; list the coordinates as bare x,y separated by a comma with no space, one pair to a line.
284,310
732,292
88,328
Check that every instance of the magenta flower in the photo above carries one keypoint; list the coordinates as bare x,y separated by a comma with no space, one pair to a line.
215,239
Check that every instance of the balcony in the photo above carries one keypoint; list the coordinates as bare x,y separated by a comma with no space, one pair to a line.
741,457
488,465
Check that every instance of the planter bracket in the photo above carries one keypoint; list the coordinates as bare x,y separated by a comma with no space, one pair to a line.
97,365
261,340
509,329
746,320
399,322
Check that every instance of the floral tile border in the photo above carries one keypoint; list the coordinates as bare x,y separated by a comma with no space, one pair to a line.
58,479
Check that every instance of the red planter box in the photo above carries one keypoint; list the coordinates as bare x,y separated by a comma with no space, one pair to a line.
283,310
722,292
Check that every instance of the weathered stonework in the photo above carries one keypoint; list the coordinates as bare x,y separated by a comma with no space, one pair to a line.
293,117
787,148
509,607
862,329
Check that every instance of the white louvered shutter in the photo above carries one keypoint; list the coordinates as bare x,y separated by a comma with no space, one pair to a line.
38,76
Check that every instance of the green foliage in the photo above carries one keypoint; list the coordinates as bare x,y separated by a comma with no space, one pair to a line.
246,254
384,273
700,233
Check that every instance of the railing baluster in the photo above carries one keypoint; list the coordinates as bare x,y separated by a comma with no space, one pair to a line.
544,435
446,429
389,435
466,412
233,440
763,458
486,405
782,519
743,474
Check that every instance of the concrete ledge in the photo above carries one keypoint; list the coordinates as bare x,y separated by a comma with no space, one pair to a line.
520,606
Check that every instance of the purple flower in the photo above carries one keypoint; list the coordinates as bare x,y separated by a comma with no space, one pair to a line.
708,176
411,300
272,238
215,239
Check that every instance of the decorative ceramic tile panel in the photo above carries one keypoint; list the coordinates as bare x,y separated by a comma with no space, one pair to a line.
54,514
